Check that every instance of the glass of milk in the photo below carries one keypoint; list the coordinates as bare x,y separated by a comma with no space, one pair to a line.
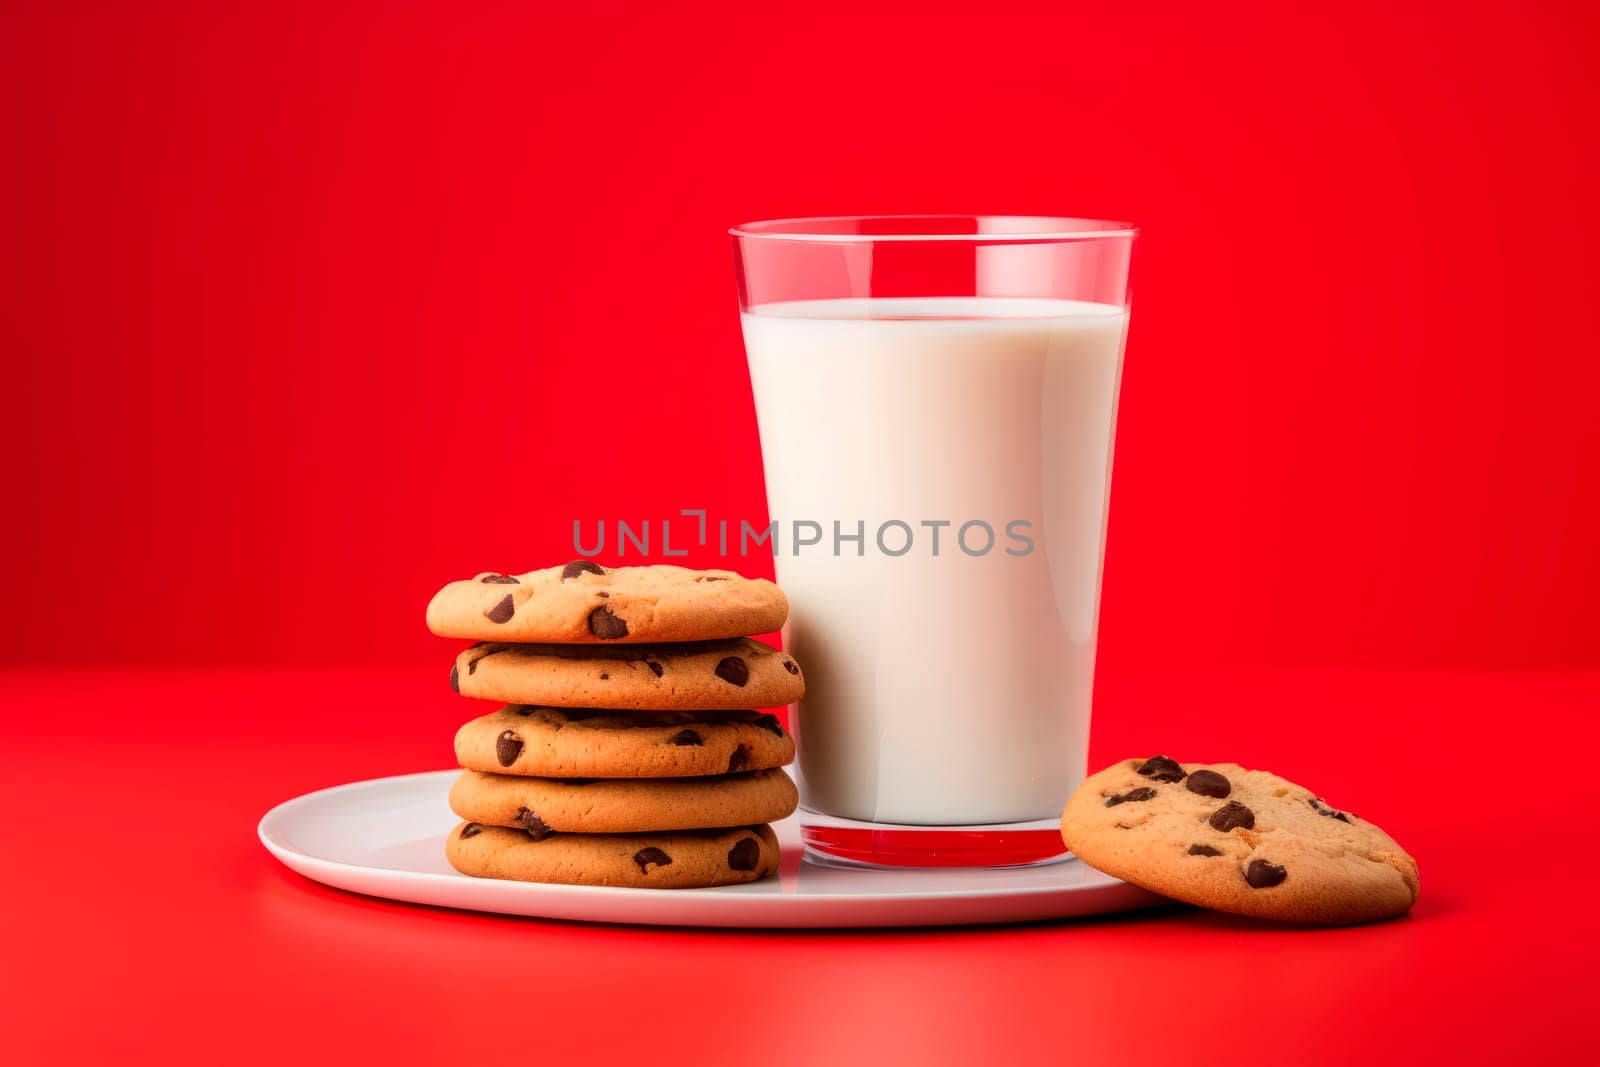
937,397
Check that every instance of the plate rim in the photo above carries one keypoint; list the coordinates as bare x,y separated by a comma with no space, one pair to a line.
282,850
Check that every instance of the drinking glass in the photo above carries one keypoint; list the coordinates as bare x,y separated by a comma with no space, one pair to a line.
937,397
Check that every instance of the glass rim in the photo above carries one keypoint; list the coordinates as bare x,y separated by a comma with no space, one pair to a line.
993,229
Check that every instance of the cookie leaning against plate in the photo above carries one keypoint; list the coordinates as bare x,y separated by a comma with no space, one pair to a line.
579,743
737,674
585,603
1239,841
544,806
684,860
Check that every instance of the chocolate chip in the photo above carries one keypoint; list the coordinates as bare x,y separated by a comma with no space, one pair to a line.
580,566
646,856
498,579
1333,813
605,677
734,670
1142,793
1208,784
1263,875
502,611
686,737
472,829
745,855
1231,815
455,679
1204,850
790,666
606,626
710,578
531,822
507,747
603,595
768,721
1162,769
740,757
655,668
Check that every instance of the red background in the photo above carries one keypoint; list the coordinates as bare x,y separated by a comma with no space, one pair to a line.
308,308
312,307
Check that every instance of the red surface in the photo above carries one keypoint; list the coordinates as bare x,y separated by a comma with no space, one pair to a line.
142,916
307,308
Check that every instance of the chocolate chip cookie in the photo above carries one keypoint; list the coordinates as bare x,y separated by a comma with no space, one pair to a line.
544,806
682,860
1239,841
582,743
585,603
732,675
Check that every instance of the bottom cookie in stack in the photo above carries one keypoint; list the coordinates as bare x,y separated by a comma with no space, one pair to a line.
683,859
671,800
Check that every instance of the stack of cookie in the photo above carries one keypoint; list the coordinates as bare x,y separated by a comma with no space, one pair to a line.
630,750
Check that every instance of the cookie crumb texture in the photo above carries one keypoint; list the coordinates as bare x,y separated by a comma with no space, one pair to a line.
688,860
734,674
546,742
544,806
1239,841
585,603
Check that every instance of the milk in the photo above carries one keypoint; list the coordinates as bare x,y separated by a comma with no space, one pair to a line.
942,689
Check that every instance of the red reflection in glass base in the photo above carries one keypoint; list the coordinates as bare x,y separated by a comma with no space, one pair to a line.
952,847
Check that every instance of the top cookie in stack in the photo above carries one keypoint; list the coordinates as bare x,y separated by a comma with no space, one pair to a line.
668,771
584,603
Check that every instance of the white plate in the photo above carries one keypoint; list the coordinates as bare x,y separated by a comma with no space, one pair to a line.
385,837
